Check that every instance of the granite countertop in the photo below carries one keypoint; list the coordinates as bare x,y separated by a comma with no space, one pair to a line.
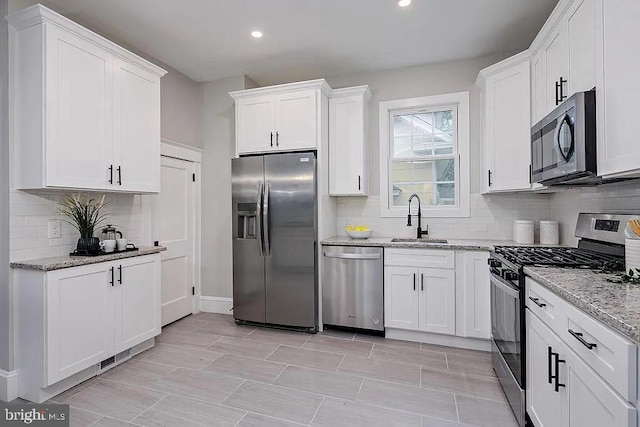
452,244
614,304
60,262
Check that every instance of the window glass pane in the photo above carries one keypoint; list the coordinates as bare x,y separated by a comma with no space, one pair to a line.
423,134
443,121
445,170
433,181
446,194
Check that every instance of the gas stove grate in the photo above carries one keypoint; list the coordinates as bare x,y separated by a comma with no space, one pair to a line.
564,257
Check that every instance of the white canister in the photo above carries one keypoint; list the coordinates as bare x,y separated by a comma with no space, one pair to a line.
632,255
549,233
523,232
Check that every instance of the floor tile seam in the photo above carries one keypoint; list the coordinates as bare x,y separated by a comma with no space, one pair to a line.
315,414
426,387
249,340
271,354
455,400
359,389
241,418
340,364
86,388
481,398
299,366
323,371
378,359
461,372
275,418
435,417
140,414
315,393
408,385
184,347
381,380
320,351
279,375
91,412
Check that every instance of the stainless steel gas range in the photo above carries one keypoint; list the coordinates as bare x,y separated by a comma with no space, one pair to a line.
601,243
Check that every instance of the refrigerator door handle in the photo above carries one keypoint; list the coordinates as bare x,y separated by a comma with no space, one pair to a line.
259,218
265,223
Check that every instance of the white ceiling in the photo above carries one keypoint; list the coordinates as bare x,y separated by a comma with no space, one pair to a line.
304,39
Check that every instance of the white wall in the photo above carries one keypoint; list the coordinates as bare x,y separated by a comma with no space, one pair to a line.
491,216
6,354
219,147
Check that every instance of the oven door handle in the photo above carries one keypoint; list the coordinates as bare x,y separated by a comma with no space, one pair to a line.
509,290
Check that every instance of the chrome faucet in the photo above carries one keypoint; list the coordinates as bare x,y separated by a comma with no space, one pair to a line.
420,233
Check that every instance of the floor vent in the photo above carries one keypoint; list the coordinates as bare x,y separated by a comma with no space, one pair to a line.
107,362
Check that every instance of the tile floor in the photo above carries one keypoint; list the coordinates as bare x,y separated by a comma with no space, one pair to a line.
207,371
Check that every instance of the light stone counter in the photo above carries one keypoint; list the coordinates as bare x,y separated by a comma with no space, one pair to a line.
58,263
614,304
452,244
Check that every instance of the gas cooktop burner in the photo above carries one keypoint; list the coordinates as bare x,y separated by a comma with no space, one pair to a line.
563,257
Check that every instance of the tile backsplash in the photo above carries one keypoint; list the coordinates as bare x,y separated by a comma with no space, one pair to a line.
31,211
491,217
610,198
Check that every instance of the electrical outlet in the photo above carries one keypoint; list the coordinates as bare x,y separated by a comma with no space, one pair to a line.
55,229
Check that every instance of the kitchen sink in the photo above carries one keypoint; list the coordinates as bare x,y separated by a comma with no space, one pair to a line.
423,240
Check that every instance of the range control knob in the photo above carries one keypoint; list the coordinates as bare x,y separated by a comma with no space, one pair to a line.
494,263
510,275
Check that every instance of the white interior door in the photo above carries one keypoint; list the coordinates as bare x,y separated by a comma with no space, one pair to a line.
174,227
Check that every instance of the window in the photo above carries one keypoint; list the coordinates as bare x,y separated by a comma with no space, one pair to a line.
424,144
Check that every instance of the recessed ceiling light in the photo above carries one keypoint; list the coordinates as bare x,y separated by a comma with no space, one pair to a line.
258,34
404,3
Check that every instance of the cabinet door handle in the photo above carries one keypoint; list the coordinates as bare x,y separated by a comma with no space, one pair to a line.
550,365
557,376
557,93
578,336
110,174
359,183
112,283
489,177
120,274
562,95
537,302
414,281
277,139
119,175
421,281
272,139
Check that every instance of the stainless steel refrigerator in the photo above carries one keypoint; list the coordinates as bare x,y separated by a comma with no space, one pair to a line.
274,240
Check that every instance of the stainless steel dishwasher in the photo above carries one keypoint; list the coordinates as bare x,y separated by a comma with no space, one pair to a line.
352,287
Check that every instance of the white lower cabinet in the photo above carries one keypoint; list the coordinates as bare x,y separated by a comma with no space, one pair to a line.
420,299
563,390
473,295
72,319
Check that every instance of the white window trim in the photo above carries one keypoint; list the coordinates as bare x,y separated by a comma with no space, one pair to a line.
461,100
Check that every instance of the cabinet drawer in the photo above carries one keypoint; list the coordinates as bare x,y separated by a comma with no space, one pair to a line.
609,354
544,304
431,258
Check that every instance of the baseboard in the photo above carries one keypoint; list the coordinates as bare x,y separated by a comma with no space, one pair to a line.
438,339
216,305
8,385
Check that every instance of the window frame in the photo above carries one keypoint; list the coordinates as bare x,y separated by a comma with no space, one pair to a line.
458,100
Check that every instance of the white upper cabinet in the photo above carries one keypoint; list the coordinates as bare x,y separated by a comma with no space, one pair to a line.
581,24
348,144
296,120
618,87
86,111
280,118
136,132
507,124
556,60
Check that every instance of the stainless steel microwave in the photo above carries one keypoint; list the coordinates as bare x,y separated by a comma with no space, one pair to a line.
563,144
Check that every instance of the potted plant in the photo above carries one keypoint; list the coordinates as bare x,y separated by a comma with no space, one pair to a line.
84,214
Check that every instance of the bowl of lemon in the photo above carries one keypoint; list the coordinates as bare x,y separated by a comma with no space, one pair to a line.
358,231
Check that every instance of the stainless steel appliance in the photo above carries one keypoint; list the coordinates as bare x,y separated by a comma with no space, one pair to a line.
601,244
352,287
563,144
274,240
